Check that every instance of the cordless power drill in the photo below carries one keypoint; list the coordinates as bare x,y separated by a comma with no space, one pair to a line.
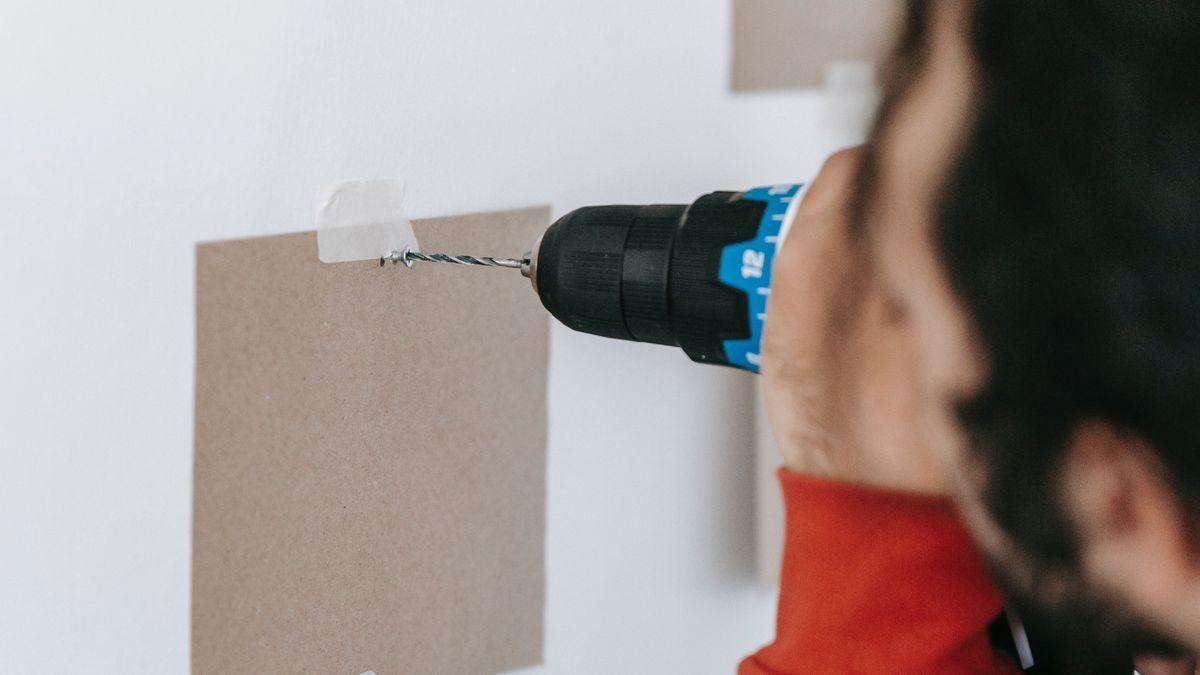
693,276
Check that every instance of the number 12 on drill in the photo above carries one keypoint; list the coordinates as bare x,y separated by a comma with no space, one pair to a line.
752,264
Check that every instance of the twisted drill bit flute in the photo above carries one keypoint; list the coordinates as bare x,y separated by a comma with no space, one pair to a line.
407,256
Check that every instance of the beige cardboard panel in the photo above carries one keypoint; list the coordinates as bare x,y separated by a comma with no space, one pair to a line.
788,43
370,457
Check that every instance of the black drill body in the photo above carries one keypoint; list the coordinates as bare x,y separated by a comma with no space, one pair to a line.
649,273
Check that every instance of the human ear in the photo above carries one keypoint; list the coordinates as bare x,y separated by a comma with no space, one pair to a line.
1131,528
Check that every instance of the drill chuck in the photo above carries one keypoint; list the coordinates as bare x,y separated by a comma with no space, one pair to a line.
694,276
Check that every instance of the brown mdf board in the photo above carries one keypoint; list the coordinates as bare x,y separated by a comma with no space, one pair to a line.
780,44
370,445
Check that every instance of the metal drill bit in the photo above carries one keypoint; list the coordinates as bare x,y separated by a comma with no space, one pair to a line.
407,256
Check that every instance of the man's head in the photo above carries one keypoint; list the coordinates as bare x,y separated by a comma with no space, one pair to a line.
1032,196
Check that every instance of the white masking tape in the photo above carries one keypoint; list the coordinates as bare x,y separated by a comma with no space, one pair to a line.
363,220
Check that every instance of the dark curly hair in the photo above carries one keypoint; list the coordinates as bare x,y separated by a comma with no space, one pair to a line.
1070,229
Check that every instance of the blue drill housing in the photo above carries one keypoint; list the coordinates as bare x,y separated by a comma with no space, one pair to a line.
746,266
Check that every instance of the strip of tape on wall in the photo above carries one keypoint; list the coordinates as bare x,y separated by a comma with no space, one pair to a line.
363,220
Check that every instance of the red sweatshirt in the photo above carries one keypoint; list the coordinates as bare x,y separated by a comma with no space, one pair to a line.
876,581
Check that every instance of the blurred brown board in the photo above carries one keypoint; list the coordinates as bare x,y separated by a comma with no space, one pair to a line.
369,487
788,43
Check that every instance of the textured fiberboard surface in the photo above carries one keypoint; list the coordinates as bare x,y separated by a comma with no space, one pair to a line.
788,43
369,487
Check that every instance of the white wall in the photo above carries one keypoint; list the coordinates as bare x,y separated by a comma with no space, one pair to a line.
131,130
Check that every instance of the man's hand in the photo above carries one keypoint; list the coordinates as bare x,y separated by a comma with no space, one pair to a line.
839,371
